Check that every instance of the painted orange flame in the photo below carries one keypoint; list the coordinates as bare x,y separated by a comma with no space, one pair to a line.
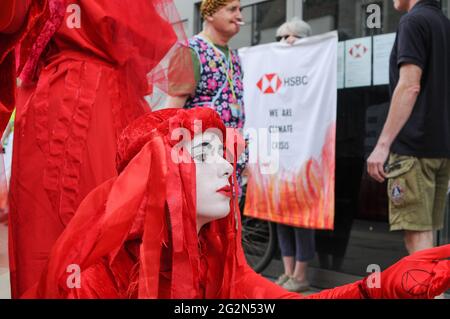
305,199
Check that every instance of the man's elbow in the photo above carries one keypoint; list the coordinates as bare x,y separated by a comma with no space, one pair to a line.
413,89
408,88
410,78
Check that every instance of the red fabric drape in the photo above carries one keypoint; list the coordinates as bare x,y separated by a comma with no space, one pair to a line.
82,86
38,14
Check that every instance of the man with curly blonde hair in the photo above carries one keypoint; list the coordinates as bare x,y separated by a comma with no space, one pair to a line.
217,69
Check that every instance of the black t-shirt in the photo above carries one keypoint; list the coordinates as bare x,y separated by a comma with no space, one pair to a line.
423,39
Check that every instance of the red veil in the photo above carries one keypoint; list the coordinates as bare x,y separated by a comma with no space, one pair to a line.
140,40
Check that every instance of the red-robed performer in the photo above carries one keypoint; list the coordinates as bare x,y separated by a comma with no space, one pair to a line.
168,226
83,65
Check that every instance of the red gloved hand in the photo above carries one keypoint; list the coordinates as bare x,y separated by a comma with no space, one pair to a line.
422,275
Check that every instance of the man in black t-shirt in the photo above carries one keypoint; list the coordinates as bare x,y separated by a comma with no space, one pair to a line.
416,134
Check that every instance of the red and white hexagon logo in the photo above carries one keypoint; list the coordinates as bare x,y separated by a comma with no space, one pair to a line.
358,50
269,83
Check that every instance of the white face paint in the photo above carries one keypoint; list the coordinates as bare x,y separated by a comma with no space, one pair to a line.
212,175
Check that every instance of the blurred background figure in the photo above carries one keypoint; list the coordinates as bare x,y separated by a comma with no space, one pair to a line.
297,244
289,32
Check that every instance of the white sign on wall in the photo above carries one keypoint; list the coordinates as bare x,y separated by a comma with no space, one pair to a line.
382,47
340,65
358,62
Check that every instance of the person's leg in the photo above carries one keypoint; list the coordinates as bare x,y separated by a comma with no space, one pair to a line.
305,250
286,243
418,240
440,199
288,264
437,177
436,174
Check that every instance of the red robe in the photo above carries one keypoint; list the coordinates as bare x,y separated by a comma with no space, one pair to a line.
89,84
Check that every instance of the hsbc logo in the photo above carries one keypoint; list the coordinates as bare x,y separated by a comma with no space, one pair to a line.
271,83
358,50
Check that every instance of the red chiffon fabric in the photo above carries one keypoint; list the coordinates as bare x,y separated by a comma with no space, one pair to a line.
38,15
82,86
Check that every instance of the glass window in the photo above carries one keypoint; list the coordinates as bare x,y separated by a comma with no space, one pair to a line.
446,7
269,16
244,37
261,22
350,17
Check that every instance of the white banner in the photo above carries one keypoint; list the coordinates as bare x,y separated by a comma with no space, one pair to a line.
292,91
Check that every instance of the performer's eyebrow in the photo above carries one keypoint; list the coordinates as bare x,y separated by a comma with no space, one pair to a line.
204,144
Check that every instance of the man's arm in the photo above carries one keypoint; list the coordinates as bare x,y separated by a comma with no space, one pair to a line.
12,14
403,100
176,101
183,83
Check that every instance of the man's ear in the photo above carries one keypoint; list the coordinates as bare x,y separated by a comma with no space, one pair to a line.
209,18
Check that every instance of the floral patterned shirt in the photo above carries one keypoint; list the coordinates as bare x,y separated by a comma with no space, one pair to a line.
213,88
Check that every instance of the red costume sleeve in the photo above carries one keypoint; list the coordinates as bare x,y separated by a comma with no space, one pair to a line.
423,275
252,285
